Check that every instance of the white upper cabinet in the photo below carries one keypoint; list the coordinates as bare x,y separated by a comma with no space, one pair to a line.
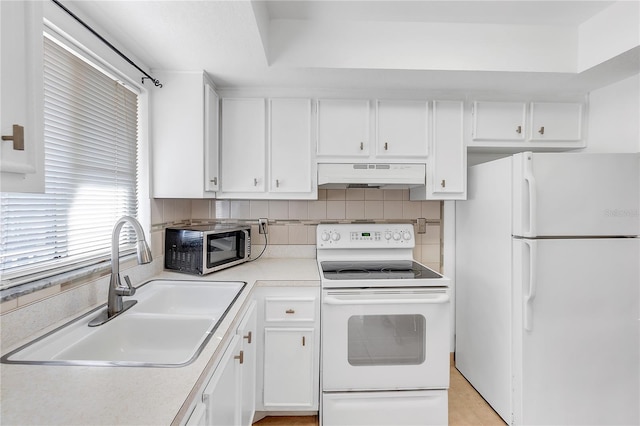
22,94
447,164
266,149
290,145
243,146
361,130
518,126
556,121
499,121
185,136
401,128
344,127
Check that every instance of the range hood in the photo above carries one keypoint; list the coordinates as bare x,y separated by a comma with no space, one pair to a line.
370,175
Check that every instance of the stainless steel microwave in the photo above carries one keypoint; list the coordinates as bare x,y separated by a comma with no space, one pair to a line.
207,248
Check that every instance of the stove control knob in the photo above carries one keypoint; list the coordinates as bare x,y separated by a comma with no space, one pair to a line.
335,236
325,236
406,236
396,236
387,235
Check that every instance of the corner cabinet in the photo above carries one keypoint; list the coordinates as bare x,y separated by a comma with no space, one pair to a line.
518,126
184,136
22,97
228,397
289,357
266,149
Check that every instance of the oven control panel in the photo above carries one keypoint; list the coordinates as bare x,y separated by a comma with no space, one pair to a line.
365,235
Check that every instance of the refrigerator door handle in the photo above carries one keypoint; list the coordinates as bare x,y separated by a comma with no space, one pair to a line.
531,291
533,200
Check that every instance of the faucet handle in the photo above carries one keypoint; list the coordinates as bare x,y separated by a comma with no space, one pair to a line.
130,290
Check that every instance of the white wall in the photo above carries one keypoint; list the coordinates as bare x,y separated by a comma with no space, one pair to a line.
614,117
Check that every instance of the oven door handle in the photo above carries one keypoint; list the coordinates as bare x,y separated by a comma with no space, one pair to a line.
439,298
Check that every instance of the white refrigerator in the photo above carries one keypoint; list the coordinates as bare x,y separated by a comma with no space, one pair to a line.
547,287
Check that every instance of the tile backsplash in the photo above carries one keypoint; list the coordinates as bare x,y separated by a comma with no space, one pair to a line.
293,222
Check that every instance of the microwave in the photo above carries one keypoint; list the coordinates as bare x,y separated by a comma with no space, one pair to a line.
208,248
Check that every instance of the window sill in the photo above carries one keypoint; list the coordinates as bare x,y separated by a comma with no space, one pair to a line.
65,280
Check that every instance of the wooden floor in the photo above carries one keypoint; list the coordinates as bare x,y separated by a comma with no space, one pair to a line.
466,407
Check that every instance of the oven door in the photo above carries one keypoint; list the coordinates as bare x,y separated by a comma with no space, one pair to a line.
385,339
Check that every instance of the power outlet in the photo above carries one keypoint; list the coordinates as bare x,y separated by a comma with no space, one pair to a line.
263,226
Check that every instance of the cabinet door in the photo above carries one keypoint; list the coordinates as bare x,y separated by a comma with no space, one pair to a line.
448,162
222,394
499,121
288,367
243,145
21,94
402,128
343,127
290,143
211,138
247,330
556,121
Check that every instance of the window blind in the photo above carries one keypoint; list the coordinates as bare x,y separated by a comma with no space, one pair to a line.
90,137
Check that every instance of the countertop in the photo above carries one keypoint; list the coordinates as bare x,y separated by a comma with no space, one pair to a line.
40,394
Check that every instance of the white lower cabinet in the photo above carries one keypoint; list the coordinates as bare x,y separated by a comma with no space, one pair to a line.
228,398
222,394
288,367
289,356
247,331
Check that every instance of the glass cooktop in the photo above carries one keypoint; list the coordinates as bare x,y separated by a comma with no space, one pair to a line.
376,270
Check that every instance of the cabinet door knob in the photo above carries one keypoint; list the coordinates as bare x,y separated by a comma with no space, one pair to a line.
255,181
248,337
443,183
519,129
277,183
240,357
290,311
386,146
541,131
361,146
17,137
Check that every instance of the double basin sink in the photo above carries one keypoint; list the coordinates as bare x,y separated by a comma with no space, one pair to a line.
169,326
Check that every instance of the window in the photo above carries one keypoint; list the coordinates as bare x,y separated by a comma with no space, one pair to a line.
91,152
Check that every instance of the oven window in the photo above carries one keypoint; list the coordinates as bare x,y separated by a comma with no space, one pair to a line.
222,248
386,340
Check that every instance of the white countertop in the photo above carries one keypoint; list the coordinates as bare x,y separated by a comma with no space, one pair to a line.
40,394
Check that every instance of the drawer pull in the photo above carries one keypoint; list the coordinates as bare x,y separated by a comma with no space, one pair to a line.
304,341
290,311
240,357
248,337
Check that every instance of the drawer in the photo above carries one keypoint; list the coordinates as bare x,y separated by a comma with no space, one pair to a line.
289,309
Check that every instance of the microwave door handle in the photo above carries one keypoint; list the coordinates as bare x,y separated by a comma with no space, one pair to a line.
332,300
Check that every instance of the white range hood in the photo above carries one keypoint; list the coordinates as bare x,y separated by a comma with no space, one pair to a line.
370,175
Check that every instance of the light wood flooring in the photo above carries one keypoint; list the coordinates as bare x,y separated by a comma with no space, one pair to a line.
466,408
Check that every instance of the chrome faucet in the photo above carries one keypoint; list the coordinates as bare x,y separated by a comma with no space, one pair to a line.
115,305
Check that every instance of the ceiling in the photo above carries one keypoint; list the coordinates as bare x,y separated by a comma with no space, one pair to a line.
379,44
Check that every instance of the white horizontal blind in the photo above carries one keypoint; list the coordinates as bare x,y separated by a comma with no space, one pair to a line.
91,124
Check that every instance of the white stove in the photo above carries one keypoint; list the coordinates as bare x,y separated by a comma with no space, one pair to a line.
385,328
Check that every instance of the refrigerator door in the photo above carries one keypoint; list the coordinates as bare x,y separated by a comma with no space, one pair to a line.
558,194
576,341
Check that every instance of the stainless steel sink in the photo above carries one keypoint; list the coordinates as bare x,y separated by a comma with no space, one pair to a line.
168,327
